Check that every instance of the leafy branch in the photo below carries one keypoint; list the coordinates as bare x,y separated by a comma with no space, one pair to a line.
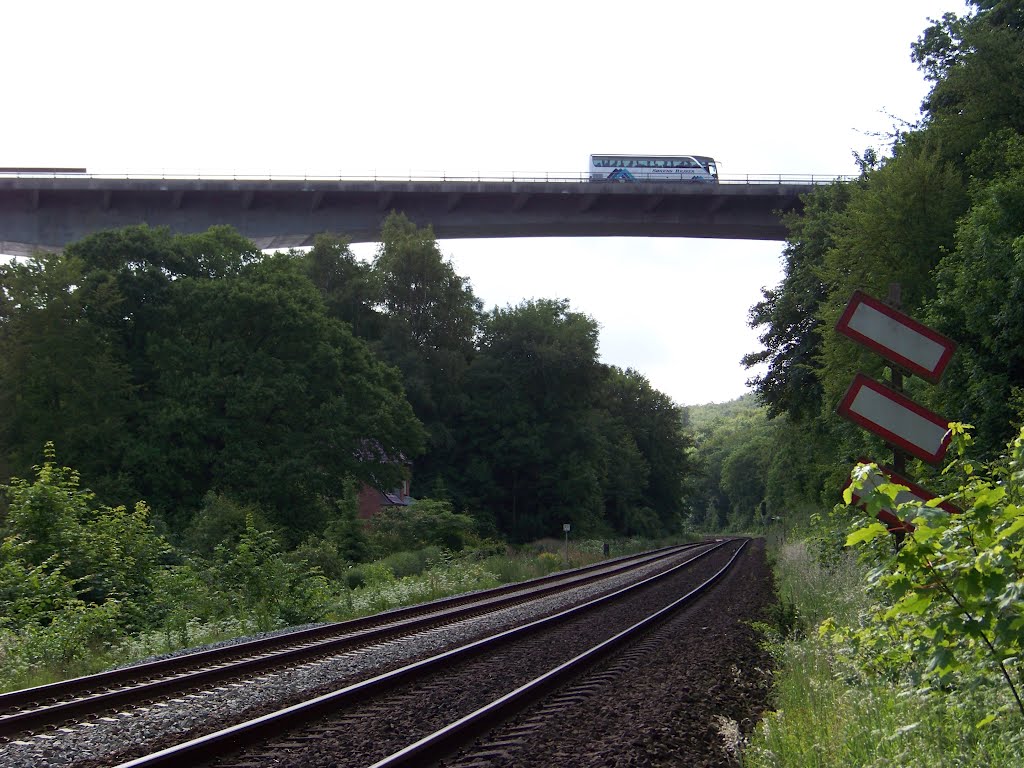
953,589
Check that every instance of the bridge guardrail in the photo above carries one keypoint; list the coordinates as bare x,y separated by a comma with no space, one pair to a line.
580,177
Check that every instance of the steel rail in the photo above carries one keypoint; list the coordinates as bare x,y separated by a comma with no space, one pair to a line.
237,737
450,738
215,665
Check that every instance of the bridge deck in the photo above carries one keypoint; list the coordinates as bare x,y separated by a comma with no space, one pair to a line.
49,212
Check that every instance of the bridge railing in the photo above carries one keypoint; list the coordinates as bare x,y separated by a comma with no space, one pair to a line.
529,177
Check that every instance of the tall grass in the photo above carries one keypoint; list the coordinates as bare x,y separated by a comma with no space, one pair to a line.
827,715
818,582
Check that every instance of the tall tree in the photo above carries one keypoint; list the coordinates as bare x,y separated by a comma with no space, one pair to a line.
658,429
897,225
530,440
788,315
420,288
348,287
430,322
63,376
976,65
259,395
980,298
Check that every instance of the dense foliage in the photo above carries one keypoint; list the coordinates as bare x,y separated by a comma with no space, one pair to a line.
942,220
250,398
754,471
941,217
951,598
247,398
180,369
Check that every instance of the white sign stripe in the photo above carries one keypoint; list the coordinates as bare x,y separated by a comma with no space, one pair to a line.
876,478
900,338
898,419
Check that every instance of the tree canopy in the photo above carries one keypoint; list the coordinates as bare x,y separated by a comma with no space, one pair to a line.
222,384
941,218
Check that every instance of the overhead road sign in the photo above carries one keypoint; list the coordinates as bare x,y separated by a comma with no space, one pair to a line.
896,337
896,418
914,493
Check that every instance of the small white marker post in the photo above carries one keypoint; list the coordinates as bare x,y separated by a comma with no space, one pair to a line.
566,527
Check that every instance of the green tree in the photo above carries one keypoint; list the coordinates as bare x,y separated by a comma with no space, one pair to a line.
259,395
733,450
63,376
428,331
894,229
980,299
976,65
422,291
787,317
649,465
348,287
531,436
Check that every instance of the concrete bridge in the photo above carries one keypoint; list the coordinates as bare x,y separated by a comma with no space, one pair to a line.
48,211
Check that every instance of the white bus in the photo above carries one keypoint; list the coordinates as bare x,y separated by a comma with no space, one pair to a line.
653,168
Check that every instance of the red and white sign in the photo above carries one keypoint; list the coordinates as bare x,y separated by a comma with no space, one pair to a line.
916,493
896,418
896,337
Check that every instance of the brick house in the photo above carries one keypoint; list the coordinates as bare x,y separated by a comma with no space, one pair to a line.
372,500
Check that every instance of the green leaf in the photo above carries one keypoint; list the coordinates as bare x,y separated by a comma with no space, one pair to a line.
1011,529
916,602
941,660
873,531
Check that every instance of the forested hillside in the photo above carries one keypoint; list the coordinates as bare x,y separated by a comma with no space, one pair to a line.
942,216
177,369
910,655
188,426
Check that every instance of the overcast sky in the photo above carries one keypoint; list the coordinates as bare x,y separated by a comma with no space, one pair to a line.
349,88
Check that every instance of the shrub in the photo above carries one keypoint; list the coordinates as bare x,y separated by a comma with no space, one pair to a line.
549,562
320,553
951,595
220,521
107,553
425,523
266,585
406,563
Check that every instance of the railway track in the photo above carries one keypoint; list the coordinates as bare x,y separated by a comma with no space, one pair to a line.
412,715
46,708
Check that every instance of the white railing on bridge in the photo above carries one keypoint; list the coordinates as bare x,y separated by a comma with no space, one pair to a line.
373,176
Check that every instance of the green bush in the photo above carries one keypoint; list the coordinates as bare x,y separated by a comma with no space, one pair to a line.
107,553
354,577
59,642
322,554
950,600
188,594
485,548
406,563
267,587
220,521
550,562
425,523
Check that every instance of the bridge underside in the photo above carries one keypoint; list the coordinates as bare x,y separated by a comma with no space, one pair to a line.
49,213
